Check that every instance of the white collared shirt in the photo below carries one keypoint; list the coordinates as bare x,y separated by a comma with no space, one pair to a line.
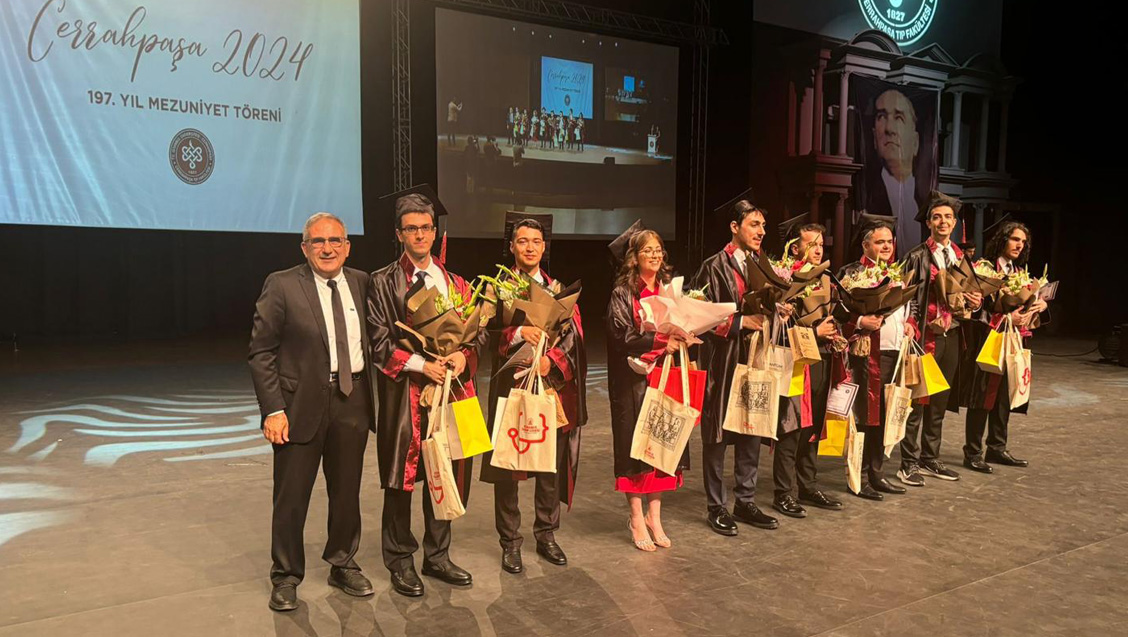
1006,266
893,329
352,321
432,278
951,253
741,257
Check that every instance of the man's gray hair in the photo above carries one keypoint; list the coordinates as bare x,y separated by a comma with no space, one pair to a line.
320,216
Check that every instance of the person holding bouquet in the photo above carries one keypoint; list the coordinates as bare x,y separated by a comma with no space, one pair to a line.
564,367
722,276
631,354
401,418
801,417
886,335
985,394
920,449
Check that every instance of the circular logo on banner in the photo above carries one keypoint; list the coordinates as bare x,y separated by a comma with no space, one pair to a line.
191,156
903,20
567,100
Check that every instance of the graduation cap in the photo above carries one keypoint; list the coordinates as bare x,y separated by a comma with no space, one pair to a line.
865,222
990,230
512,217
725,210
619,246
420,198
935,200
789,229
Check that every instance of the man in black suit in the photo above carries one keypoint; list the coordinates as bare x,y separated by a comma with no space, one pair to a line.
308,360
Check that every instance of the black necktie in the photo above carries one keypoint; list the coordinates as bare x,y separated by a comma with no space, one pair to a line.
344,371
944,258
421,278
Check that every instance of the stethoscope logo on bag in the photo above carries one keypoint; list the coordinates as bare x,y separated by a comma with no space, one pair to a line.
524,436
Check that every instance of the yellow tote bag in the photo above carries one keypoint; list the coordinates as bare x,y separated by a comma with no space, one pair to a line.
932,380
835,442
470,429
992,358
795,386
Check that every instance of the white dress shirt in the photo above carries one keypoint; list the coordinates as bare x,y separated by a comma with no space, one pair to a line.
1005,265
352,321
432,278
893,329
951,255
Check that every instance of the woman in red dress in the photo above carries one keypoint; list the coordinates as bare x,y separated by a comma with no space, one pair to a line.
631,353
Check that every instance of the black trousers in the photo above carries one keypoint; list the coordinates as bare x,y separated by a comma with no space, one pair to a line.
926,422
398,542
338,447
995,421
873,447
795,452
546,502
746,461
795,461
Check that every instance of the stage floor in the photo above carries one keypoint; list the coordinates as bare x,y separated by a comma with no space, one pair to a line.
135,500
591,154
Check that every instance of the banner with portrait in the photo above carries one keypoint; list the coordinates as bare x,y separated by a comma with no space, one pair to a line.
897,148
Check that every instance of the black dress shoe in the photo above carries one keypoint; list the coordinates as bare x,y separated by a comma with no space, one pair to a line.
511,561
351,581
284,596
789,507
870,493
406,582
552,552
1005,458
819,499
449,573
977,464
886,486
720,520
749,513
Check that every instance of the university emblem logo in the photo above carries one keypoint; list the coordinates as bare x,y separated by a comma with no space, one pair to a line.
906,21
191,156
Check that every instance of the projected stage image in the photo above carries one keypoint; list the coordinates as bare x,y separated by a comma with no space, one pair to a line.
204,115
551,120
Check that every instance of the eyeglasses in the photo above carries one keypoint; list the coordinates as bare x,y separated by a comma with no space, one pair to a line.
536,243
651,252
319,242
427,229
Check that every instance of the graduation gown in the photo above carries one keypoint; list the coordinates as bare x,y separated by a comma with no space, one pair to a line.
726,345
626,388
927,307
400,421
567,375
866,372
979,389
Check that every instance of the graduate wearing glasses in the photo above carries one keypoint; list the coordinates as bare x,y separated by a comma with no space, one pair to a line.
402,375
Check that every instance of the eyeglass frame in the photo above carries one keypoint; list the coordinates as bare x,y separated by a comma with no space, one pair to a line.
319,242
413,230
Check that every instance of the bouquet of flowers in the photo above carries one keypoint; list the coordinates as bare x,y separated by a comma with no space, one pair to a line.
440,325
950,285
1020,290
523,303
879,289
987,278
673,308
774,281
